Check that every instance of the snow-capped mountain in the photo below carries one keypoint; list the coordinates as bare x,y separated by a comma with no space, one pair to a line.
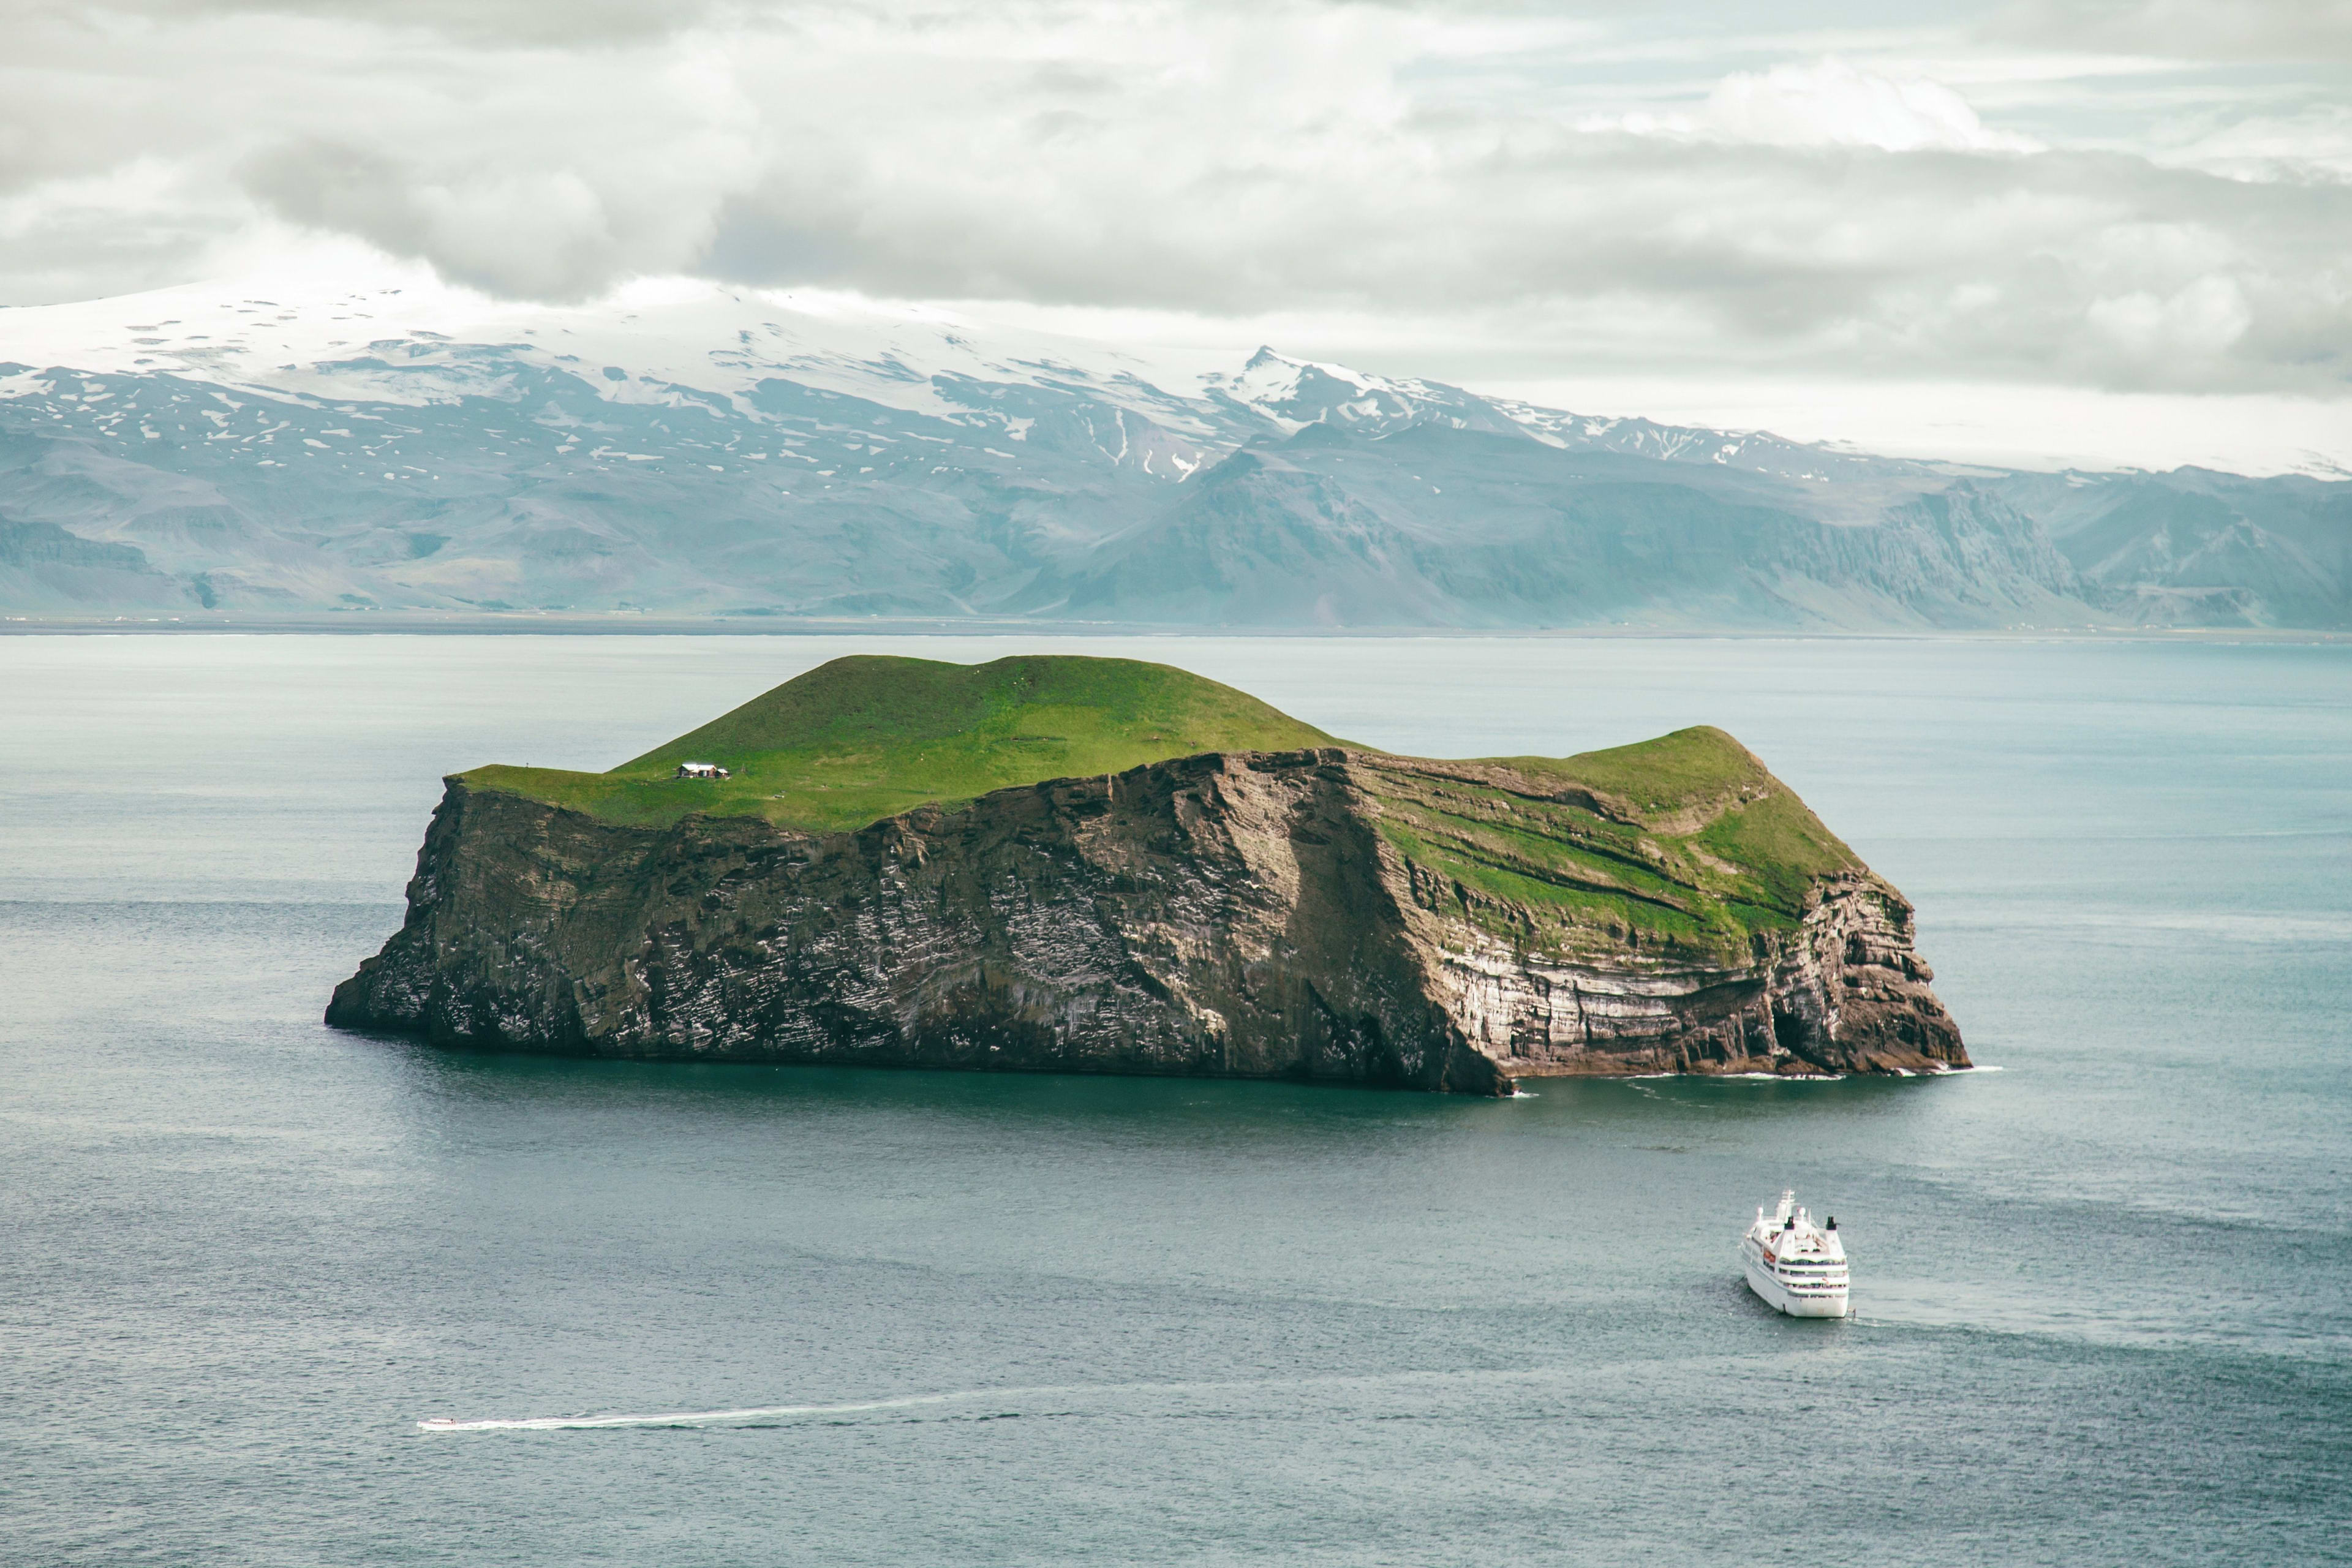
690,450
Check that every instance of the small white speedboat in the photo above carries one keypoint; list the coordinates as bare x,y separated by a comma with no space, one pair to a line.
1795,1265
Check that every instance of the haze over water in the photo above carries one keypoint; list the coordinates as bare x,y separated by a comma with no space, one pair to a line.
2101,1292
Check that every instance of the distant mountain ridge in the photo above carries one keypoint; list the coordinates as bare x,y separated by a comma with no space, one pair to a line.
701,453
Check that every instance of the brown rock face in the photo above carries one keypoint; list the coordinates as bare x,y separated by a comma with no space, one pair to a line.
1222,915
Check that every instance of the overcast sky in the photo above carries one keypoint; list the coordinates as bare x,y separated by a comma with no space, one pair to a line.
2040,211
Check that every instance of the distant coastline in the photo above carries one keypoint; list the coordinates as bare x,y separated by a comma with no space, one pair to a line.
558,623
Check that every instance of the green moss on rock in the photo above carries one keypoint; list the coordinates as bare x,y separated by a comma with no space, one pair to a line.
1685,844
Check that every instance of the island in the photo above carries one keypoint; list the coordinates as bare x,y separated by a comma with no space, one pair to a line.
1095,865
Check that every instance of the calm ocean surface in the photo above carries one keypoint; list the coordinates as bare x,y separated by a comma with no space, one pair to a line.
2103,1294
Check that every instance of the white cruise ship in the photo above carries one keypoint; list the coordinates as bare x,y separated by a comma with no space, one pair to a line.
1794,1264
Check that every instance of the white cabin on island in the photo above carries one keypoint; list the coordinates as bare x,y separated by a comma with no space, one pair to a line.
701,771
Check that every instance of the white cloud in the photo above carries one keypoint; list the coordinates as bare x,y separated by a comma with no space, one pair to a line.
1452,167
2205,31
1833,103
531,174
2315,142
2026,427
2201,319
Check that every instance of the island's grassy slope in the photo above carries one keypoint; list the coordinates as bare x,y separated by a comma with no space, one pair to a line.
1684,845
861,738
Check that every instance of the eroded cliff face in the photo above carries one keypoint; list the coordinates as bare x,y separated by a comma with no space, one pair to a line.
1844,993
1221,915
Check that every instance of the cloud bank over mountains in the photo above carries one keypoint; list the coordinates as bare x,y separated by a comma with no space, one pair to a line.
2127,198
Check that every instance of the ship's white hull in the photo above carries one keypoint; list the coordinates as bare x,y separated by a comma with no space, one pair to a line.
1808,1300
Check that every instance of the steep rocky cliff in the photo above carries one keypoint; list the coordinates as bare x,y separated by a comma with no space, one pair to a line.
1325,914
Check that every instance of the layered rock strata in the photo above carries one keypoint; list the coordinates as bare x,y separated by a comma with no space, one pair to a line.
1324,914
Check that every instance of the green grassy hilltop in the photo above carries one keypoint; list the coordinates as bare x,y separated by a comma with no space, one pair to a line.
1687,839
865,737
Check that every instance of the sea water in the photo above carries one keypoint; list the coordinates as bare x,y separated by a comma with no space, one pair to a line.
720,1315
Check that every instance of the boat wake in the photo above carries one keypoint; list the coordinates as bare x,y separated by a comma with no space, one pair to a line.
995,1403
707,1417
999,1403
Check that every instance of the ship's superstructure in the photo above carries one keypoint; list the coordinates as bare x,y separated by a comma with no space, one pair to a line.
1793,1263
